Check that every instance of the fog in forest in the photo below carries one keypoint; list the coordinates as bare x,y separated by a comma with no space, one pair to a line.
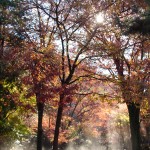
116,136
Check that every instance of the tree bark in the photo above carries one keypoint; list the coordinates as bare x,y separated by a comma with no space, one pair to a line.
134,115
58,123
40,107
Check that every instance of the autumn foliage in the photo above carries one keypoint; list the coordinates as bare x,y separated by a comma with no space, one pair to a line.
69,79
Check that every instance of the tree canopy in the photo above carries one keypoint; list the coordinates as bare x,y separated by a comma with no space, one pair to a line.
62,70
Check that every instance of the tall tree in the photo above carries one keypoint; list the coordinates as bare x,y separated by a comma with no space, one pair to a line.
38,60
70,19
126,60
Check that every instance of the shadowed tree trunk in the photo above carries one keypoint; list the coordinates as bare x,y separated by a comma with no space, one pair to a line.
133,108
40,107
134,114
58,123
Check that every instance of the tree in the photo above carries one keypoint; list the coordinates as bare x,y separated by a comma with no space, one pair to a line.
127,63
42,73
11,21
70,19
29,45
39,61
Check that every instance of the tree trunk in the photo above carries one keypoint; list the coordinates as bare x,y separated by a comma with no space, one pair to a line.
134,114
2,47
58,123
40,107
